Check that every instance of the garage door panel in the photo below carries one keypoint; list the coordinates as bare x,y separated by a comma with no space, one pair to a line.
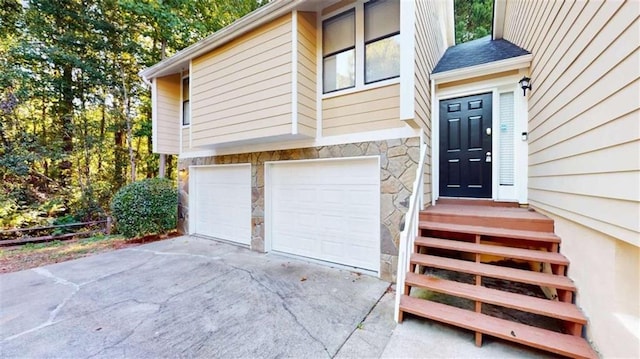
299,245
331,223
222,202
327,210
361,226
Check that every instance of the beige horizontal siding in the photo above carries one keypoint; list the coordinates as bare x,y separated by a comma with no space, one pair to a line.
167,111
185,140
242,90
307,65
584,132
368,110
430,45
243,134
429,48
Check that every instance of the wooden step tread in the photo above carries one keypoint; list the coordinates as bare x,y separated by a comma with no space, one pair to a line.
525,303
507,252
490,213
475,202
494,271
547,237
563,344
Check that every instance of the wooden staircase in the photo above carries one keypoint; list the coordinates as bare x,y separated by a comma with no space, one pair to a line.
465,261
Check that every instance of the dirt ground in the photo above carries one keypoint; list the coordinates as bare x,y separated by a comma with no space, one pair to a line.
13,259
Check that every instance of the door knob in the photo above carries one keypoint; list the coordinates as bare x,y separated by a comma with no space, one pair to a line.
488,159
488,131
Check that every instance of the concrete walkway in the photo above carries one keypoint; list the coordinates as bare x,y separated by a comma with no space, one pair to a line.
192,297
185,297
380,337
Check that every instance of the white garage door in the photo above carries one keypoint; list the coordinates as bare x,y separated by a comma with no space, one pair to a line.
220,202
327,210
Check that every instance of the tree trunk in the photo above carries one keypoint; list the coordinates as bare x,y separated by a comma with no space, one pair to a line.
170,166
127,117
101,142
66,125
119,162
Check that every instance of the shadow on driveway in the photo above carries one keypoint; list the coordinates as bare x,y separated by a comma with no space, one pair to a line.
182,297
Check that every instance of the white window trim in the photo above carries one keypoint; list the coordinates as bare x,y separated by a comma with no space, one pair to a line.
182,100
190,104
294,72
359,49
154,115
371,86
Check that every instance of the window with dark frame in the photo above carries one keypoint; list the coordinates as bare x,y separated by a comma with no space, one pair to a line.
381,40
186,107
339,51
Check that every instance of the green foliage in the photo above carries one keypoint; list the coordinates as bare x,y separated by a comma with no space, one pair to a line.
146,207
69,86
68,219
35,246
10,11
473,19
19,211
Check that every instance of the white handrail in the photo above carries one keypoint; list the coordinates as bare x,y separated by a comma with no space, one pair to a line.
410,230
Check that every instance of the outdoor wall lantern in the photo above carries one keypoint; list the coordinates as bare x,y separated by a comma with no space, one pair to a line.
525,83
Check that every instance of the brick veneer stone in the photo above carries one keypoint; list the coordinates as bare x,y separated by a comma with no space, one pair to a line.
398,165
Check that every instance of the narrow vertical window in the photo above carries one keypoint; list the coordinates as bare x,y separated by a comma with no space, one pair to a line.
381,40
186,107
338,51
507,141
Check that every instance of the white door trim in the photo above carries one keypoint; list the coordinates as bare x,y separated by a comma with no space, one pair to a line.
495,87
268,202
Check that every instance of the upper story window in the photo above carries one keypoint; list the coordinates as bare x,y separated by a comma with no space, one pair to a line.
339,51
186,107
382,40
361,45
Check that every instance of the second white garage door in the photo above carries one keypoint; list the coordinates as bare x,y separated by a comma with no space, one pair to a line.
327,210
220,202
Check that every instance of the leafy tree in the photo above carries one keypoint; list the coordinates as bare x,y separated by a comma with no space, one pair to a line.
473,19
10,12
75,117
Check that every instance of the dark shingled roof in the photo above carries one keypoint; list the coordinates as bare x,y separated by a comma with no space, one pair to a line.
476,52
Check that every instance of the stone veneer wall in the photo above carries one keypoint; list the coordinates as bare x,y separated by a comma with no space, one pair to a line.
398,166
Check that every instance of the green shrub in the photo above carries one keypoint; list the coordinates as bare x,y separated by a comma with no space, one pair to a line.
145,207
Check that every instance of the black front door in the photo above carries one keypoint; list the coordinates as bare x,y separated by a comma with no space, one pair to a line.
465,147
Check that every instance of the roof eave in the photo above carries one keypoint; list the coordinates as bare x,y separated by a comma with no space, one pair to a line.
241,26
509,64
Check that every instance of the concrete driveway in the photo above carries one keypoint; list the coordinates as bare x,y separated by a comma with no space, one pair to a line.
185,297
